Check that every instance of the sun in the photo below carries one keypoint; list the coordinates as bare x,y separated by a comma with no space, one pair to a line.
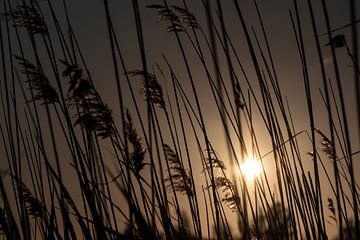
251,168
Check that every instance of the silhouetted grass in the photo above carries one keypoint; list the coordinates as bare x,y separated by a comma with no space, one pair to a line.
147,166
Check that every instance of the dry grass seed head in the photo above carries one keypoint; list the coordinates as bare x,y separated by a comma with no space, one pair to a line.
93,114
29,17
151,89
138,153
34,206
180,178
96,116
79,88
167,15
186,17
214,162
230,195
38,81
327,144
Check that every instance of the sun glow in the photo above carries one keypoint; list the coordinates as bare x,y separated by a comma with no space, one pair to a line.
251,168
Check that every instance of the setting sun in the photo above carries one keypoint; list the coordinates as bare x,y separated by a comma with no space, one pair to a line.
251,168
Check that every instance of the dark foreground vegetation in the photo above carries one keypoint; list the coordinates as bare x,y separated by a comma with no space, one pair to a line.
142,163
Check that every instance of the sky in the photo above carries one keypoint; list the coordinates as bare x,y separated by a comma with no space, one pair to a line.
89,24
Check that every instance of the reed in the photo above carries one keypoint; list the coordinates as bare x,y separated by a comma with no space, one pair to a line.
164,160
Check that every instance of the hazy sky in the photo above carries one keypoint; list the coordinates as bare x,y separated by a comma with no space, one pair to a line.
88,20
89,24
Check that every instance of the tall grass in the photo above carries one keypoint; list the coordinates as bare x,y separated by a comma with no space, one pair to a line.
151,165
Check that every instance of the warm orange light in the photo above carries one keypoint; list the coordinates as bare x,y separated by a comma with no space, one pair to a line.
251,168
